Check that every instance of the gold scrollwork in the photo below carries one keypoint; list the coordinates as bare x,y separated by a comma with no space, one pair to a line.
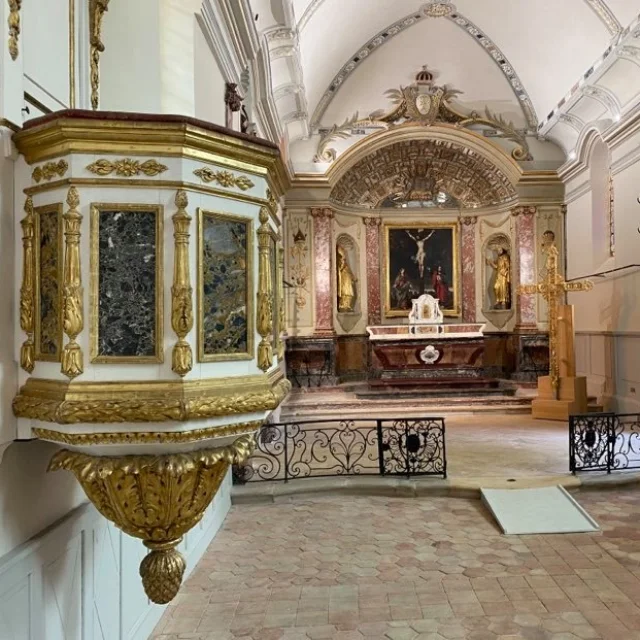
97,9
27,290
72,309
126,167
265,293
181,291
50,170
146,437
14,27
121,405
156,499
224,178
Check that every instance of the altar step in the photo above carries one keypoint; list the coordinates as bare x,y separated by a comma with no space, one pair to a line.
444,388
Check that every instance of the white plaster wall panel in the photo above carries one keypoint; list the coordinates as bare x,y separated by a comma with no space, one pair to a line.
105,542
588,109
209,82
623,80
63,589
135,604
396,63
583,360
130,75
628,357
44,45
598,353
563,135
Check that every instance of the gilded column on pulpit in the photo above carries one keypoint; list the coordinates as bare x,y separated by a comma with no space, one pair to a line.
265,293
27,291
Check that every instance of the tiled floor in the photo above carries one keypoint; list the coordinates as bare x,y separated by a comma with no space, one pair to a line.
408,569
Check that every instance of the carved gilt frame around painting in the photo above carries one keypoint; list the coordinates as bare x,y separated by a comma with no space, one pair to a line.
421,258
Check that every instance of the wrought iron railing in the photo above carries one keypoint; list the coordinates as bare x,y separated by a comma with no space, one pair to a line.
320,448
604,442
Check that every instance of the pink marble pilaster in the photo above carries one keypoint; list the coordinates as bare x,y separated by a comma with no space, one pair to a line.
526,259
469,268
323,262
373,269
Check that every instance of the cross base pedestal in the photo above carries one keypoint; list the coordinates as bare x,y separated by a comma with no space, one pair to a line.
572,399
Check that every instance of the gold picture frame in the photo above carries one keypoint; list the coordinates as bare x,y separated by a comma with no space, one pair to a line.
39,212
249,354
455,286
96,209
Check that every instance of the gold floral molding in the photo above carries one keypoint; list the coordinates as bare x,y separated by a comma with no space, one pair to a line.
97,9
14,27
224,178
146,437
126,167
50,170
72,307
110,403
181,291
157,499
27,290
265,293
426,104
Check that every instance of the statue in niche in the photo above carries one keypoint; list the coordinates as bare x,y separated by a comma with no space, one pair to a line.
502,282
346,282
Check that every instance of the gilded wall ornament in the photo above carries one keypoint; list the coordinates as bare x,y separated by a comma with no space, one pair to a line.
181,291
50,170
14,27
265,293
97,9
426,104
137,406
72,306
126,167
224,178
282,321
156,499
27,290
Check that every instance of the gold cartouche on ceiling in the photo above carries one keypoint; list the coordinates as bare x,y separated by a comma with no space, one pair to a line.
265,293
426,104
156,499
181,291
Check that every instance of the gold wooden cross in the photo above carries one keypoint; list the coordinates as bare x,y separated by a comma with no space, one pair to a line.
553,289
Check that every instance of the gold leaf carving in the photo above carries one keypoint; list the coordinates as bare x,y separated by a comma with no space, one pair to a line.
14,27
265,293
126,167
109,410
50,170
181,291
157,499
224,178
27,299
97,9
72,314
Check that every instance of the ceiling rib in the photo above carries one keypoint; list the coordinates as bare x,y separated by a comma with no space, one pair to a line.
602,10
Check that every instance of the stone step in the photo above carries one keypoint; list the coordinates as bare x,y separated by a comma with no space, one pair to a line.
417,393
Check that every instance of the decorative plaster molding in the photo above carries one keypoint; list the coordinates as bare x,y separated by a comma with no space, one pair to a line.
573,121
402,25
607,16
314,5
604,97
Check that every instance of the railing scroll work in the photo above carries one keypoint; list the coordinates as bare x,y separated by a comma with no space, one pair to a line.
320,448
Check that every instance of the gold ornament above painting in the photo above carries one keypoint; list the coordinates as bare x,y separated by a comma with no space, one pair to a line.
423,103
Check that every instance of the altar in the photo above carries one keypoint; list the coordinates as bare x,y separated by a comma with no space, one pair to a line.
426,348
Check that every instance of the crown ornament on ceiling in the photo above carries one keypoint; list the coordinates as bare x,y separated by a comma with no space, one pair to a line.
424,103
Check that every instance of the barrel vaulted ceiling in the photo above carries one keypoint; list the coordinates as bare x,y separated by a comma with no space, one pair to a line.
519,57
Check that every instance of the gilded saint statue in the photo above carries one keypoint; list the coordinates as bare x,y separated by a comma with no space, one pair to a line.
502,282
346,283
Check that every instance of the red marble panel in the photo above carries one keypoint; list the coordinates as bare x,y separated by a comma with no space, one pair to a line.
322,251
469,269
373,269
526,252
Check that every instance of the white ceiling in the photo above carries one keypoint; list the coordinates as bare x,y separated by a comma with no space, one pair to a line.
549,43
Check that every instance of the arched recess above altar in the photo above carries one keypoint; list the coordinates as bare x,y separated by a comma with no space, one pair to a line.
461,188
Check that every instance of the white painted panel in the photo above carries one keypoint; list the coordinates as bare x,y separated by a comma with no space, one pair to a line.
106,581
14,611
63,593
45,47
209,82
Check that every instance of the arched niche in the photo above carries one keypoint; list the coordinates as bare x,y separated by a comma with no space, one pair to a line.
602,223
497,280
348,305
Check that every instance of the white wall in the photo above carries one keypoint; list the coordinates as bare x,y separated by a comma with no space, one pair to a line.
209,81
79,580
